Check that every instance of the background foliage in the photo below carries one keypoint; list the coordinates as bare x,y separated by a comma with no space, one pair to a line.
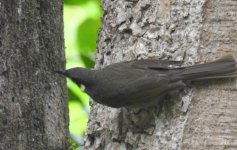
81,24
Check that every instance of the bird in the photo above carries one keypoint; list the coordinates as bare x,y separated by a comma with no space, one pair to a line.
141,83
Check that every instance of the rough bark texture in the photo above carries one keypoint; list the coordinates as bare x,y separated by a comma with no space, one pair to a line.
33,107
191,31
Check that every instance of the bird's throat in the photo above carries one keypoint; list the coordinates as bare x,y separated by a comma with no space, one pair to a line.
82,87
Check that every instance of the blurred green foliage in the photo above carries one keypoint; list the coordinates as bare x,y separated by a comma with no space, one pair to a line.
81,25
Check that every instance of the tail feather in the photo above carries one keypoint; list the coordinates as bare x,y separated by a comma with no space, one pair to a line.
221,68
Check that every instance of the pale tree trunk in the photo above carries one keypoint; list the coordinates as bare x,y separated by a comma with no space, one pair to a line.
193,31
33,107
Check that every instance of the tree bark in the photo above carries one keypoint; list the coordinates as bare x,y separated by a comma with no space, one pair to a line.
204,117
33,106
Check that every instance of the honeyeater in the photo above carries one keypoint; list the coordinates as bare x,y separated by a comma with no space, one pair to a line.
141,83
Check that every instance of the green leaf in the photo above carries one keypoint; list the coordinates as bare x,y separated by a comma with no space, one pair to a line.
87,35
72,96
78,118
89,63
75,2
80,43
78,93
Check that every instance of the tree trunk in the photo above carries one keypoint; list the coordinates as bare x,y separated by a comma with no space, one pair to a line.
204,117
33,106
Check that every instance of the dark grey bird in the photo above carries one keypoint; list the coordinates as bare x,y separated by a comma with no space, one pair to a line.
141,83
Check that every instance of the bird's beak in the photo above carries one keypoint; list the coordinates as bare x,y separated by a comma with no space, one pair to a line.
61,72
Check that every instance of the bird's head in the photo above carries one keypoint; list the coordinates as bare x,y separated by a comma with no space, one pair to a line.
81,76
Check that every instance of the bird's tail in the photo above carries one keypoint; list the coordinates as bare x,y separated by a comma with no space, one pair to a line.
222,68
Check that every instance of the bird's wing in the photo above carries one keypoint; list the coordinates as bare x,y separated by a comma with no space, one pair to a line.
126,92
148,63
152,64
145,64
